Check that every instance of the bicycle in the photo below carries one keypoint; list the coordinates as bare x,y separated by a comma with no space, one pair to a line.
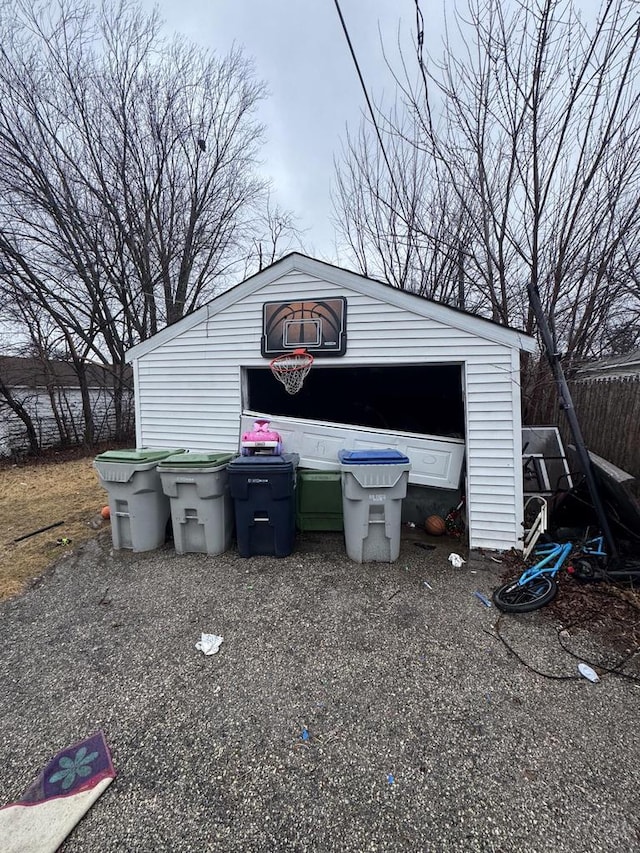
537,585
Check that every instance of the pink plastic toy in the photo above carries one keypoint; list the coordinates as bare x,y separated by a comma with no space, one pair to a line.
261,439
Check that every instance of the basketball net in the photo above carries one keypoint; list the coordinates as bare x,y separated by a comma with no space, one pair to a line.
292,369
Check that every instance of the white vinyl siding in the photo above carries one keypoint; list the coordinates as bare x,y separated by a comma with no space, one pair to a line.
189,385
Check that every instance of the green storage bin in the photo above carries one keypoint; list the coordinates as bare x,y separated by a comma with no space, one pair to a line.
319,501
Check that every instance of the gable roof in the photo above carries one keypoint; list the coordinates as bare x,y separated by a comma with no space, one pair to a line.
610,366
296,262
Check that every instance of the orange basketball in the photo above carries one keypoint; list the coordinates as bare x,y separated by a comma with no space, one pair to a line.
105,512
435,525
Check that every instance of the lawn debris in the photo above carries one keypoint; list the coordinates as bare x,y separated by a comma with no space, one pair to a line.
482,598
585,670
209,644
39,530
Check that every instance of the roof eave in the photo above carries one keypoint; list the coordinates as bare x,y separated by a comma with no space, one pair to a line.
352,281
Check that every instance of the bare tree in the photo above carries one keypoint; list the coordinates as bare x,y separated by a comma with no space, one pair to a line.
13,401
398,221
528,127
128,183
276,234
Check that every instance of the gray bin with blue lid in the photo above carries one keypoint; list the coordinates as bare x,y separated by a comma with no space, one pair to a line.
197,485
263,489
374,483
138,507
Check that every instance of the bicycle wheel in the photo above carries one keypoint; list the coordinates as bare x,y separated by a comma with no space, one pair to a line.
515,598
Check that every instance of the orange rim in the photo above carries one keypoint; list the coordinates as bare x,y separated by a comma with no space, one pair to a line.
303,359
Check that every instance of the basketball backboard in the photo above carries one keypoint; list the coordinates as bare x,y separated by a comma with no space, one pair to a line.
319,326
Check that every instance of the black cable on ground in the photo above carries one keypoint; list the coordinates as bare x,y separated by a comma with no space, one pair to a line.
615,670
531,668
612,670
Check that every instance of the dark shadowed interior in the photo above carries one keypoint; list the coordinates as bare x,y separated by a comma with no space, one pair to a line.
420,398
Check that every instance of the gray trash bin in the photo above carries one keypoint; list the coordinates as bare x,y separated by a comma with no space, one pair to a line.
197,485
374,482
139,508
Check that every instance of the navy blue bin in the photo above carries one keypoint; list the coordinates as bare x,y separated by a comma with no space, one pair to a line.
263,490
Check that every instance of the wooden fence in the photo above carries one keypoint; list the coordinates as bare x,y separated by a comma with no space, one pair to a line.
608,411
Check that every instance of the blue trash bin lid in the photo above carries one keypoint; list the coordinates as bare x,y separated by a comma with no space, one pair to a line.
385,456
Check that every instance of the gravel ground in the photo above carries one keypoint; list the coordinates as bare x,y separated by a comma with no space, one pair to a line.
425,734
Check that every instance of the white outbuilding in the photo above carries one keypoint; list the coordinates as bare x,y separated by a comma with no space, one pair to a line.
391,369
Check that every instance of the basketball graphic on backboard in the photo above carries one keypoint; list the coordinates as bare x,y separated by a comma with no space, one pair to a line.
318,326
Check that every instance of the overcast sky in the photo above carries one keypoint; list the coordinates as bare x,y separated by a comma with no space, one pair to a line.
300,52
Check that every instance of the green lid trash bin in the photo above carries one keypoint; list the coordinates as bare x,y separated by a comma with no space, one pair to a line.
139,508
197,486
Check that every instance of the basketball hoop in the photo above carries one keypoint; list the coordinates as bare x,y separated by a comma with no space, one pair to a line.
292,368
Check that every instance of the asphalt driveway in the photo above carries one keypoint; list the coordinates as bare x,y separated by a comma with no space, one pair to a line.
424,733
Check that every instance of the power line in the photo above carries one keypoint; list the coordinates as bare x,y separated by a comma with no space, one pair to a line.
398,207
367,99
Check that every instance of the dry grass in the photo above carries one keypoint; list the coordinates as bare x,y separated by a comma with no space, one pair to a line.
36,495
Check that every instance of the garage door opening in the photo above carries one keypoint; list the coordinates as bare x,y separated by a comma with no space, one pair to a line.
420,399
